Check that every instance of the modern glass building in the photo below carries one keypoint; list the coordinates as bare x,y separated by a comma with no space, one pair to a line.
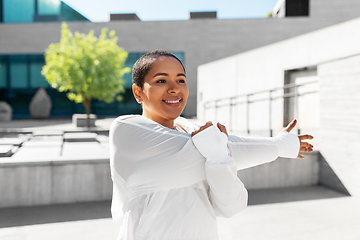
29,11
20,74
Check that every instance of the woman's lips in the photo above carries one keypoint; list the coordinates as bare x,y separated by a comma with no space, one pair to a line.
173,102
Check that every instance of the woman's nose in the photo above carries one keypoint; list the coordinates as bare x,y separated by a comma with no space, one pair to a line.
173,88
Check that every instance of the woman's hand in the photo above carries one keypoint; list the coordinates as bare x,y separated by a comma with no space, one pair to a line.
305,147
221,127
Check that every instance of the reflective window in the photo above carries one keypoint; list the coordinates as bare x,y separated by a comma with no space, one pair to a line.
36,62
3,71
18,72
70,14
16,11
36,79
49,7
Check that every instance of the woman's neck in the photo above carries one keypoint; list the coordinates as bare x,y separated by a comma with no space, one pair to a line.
164,122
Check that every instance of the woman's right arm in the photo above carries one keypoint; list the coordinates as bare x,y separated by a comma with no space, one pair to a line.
227,193
145,155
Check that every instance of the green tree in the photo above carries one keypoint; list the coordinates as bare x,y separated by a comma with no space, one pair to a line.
86,67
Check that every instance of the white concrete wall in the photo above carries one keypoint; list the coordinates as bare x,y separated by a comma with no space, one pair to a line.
263,68
331,115
328,8
54,182
339,119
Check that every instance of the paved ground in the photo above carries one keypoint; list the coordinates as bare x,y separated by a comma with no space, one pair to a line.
335,217
311,213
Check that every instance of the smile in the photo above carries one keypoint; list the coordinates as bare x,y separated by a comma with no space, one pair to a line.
173,101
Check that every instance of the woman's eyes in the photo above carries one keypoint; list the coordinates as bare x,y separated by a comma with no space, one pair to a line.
164,81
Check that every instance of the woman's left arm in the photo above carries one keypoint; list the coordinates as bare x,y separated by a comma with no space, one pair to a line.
227,193
251,151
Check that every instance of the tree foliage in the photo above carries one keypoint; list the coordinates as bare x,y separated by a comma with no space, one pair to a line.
86,67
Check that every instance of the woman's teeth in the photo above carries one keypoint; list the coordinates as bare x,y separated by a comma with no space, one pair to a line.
173,101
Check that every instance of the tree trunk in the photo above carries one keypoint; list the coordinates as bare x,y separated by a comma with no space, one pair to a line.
87,106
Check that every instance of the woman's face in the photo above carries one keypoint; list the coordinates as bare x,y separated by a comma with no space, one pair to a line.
165,91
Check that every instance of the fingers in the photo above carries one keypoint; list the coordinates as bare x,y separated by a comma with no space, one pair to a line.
300,156
290,126
305,147
305,137
206,125
222,128
305,150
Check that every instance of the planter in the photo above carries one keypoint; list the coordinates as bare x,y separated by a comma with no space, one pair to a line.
80,120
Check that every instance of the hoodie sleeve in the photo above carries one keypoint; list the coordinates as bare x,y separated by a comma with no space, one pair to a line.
227,193
251,151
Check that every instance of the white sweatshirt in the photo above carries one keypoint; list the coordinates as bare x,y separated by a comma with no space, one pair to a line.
169,186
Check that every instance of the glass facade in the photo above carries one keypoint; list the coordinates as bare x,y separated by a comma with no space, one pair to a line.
27,11
70,14
16,11
49,7
20,77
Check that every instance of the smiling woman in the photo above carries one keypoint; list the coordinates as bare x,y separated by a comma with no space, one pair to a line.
164,92
171,179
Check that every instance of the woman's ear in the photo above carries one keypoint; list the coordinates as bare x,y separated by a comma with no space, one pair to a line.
136,91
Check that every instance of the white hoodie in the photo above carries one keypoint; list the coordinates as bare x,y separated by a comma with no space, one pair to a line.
169,186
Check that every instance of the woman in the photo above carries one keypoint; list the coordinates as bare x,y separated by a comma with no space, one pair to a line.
171,178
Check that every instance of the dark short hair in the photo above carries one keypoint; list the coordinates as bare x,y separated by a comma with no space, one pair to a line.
143,65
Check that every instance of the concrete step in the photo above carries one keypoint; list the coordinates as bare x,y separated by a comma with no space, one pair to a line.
6,150
80,137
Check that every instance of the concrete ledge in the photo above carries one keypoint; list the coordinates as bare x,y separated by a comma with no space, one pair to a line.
80,137
43,182
58,180
283,172
6,150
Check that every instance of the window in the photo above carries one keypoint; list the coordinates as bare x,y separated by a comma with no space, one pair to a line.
48,7
18,72
3,72
17,11
295,8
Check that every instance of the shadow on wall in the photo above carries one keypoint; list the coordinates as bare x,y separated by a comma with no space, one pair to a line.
329,179
325,185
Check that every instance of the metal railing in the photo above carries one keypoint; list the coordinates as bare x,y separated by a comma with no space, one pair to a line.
248,99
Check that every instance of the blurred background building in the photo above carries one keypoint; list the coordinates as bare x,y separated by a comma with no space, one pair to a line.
28,27
313,77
